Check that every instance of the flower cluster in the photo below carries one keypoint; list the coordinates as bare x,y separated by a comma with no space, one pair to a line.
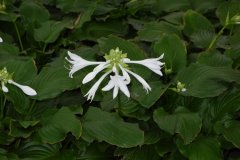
116,63
5,78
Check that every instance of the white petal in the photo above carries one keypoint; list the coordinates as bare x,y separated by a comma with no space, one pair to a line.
4,88
115,92
125,74
141,80
26,89
109,86
184,90
152,63
75,57
123,87
1,40
92,91
95,71
78,63
75,68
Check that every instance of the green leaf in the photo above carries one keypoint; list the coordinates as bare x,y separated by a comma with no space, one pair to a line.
229,9
215,59
5,138
36,151
201,149
53,80
232,132
111,128
34,12
198,28
95,30
175,53
187,124
206,81
144,153
225,104
155,30
86,16
57,123
73,5
148,99
49,31
23,71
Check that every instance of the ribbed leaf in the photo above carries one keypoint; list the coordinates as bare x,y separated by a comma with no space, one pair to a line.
187,124
57,123
111,128
206,81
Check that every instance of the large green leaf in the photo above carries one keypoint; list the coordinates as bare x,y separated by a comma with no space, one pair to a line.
206,81
148,99
187,124
57,123
49,31
155,30
232,132
53,80
35,151
214,58
175,54
33,11
95,30
144,153
227,9
201,149
111,128
227,103
198,28
23,71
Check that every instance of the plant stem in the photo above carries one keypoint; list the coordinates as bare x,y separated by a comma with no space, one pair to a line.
216,37
3,102
44,48
18,35
31,107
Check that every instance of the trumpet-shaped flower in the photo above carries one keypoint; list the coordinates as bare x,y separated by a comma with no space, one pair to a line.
117,82
78,63
117,63
5,78
152,63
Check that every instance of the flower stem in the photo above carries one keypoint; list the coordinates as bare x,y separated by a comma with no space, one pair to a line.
216,37
3,102
18,35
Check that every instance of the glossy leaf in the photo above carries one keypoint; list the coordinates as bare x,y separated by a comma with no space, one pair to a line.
183,122
57,123
175,54
111,128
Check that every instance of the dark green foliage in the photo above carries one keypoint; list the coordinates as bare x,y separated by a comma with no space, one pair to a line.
200,40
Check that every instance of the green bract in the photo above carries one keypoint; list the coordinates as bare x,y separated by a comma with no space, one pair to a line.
4,75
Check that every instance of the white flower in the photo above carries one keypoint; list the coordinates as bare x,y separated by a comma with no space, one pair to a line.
117,82
90,76
141,80
5,77
78,63
26,89
116,62
152,63
91,93
1,40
